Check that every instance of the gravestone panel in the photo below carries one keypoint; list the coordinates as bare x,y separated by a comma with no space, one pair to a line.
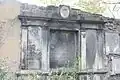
34,48
112,43
62,48
91,44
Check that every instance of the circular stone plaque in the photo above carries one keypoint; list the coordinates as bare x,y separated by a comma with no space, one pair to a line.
64,11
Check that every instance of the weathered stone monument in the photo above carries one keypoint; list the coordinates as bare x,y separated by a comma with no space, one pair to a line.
60,40
54,37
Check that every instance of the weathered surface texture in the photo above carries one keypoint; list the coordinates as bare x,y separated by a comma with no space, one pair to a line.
10,34
46,36
94,47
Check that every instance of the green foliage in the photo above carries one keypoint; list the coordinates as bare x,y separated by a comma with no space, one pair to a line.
93,6
2,69
64,74
50,2
5,73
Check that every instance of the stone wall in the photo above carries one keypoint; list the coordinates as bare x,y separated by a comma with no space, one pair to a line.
10,33
52,12
10,49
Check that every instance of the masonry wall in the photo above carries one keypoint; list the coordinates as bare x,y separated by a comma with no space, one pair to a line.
10,28
10,34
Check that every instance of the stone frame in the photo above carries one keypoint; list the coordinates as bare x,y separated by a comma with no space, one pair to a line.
75,22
